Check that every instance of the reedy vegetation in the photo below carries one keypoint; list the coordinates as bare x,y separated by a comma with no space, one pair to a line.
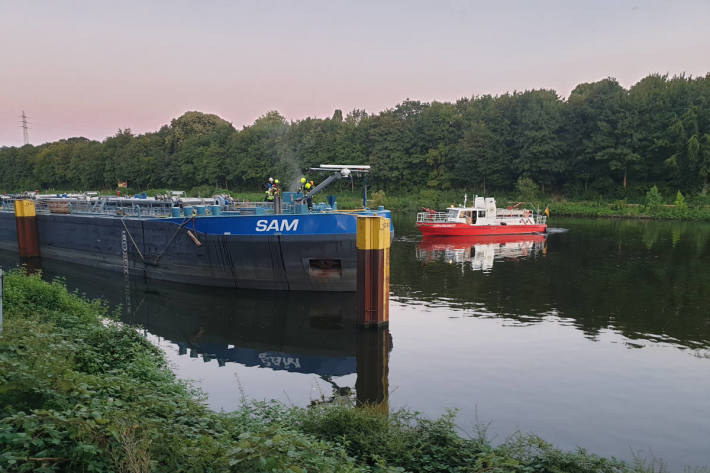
602,141
81,392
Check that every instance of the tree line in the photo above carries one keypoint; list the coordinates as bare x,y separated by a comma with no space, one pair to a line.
603,140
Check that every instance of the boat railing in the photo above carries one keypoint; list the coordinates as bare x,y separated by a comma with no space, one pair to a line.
246,204
511,212
127,207
539,219
107,207
432,217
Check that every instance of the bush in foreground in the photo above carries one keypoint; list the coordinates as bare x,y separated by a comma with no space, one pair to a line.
81,392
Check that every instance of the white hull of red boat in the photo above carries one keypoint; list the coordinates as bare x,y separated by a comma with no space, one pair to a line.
464,229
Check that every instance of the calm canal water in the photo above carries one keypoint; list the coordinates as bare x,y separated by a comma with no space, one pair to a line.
597,335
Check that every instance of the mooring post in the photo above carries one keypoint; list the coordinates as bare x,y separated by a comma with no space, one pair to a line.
373,271
26,223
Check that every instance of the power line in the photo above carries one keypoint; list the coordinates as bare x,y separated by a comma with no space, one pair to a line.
25,129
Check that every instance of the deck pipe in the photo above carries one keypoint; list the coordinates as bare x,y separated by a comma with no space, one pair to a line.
373,270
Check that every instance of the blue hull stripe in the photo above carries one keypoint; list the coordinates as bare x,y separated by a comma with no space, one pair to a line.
303,224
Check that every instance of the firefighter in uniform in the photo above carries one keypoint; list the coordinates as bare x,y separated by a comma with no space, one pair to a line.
309,200
268,184
302,187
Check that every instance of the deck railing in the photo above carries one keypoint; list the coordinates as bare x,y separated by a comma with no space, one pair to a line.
539,219
432,217
106,206
510,212
138,207
147,208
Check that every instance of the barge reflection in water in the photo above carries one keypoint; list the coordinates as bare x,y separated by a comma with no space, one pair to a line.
305,333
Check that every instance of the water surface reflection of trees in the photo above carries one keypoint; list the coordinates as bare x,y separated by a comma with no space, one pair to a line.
647,279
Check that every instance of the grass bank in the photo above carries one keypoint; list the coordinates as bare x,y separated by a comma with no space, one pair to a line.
81,392
627,210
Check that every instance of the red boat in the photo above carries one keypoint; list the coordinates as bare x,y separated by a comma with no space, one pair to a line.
484,218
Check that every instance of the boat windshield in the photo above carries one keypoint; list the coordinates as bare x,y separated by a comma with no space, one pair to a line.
453,213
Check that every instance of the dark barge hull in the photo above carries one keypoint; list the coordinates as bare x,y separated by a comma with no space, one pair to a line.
305,257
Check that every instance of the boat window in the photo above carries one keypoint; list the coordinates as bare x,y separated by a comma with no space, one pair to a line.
481,213
453,213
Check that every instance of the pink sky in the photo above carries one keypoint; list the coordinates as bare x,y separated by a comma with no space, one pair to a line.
89,68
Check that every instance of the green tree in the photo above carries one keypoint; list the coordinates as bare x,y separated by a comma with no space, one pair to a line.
601,132
654,199
527,189
680,201
258,151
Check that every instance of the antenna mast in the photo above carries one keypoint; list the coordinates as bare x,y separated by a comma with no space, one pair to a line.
25,129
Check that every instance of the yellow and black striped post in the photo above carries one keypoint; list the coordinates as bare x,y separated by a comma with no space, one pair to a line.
27,233
373,271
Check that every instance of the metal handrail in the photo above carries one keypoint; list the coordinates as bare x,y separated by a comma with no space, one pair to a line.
510,212
435,217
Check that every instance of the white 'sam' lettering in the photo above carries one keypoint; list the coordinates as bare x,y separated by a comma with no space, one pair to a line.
277,226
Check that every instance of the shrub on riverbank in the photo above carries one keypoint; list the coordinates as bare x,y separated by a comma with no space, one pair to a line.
81,392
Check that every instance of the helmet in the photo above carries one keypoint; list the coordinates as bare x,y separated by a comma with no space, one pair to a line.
308,185
266,192
276,181
271,179
303,179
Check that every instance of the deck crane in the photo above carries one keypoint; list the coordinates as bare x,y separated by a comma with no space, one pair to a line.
339,171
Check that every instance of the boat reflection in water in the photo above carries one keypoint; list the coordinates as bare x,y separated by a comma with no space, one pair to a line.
310,333
301,333
481,251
